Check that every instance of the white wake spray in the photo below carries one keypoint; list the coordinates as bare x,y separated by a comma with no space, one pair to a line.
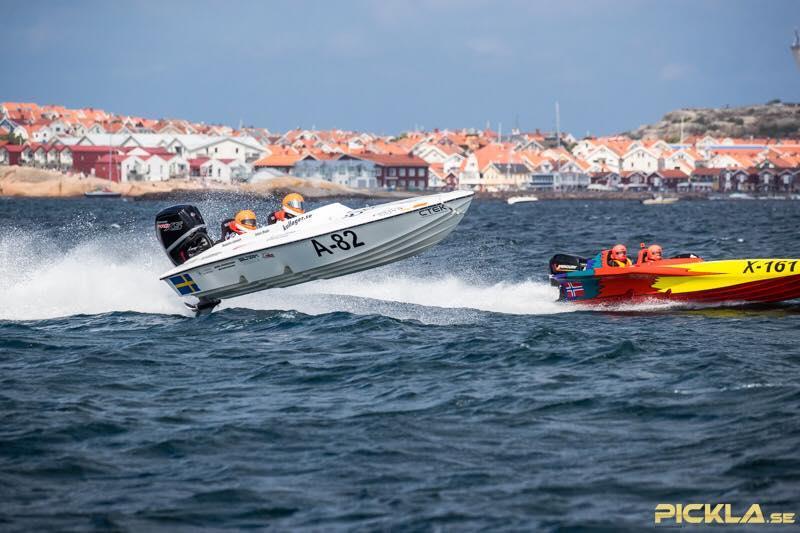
450,292
40,279
113,271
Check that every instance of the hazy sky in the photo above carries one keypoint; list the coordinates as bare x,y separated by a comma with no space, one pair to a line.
391,65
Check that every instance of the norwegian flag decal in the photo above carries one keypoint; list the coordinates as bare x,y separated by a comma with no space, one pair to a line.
573,290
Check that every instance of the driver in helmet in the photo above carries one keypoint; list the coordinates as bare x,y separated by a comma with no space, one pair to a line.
292,206
618,256
244,221
654,253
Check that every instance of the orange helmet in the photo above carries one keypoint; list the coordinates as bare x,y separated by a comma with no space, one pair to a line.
619,252
654,253
246,219
293,204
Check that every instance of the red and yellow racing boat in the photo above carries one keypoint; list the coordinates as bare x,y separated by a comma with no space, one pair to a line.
685,278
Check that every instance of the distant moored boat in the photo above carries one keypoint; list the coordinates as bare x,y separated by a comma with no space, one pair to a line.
795,48
102,193
660,200
522,199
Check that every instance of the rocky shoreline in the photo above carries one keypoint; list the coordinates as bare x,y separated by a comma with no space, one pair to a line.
27,182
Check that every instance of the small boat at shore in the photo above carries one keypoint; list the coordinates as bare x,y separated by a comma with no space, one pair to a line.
740,196
327,242
660,200
685,278
102,193
521,199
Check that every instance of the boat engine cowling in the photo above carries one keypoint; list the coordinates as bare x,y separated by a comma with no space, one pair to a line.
182,232
561,263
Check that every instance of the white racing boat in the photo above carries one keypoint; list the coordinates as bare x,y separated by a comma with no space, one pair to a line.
327,242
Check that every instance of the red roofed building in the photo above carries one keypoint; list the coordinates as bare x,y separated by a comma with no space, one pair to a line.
109,167
84,158
669,179
711,178
406,172
280,162
11,154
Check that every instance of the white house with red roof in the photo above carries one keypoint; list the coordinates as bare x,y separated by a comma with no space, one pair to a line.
639,158
731,159
605,157
224,170
480,168
120,168
52,157
64,157
685,159
156,166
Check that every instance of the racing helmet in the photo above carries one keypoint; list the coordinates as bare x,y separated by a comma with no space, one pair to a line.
654,252
246,219
619,252
293,204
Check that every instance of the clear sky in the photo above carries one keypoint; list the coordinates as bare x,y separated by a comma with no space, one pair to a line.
390,65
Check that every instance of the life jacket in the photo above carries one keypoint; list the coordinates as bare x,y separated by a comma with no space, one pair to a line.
279,215
613,262
231,229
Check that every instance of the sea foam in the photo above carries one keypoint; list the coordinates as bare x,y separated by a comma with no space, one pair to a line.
41,279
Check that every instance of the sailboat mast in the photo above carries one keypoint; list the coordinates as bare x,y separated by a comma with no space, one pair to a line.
558,137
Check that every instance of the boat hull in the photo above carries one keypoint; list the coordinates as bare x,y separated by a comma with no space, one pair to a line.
409,229
521,199
737,280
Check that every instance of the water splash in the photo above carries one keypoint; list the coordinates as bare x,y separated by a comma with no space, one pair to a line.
41,279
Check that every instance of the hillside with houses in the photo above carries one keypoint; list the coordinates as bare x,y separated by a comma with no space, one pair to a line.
129,149
774,119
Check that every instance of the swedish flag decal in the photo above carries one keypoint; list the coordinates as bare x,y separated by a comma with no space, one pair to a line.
184,284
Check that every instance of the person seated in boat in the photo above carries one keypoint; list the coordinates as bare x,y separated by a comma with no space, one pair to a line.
618,256
292,206
244,221
654,253
649,254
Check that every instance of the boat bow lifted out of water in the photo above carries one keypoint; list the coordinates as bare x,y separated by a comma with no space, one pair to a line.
327,242
686,278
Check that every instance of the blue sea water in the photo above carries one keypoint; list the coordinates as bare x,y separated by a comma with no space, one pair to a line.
446,392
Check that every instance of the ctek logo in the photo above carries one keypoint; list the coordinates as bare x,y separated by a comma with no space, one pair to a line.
719,513
432,210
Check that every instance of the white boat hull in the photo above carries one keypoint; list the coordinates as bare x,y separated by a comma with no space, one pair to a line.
337,242
660,201
521,199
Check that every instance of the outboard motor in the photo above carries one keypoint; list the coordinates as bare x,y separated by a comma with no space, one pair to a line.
182,232
561,263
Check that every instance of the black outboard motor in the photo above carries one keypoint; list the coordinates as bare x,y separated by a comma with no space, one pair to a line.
561,263
182,232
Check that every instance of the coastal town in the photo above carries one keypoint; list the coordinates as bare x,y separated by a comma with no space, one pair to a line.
90,142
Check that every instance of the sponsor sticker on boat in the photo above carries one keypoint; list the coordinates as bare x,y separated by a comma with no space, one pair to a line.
432,210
